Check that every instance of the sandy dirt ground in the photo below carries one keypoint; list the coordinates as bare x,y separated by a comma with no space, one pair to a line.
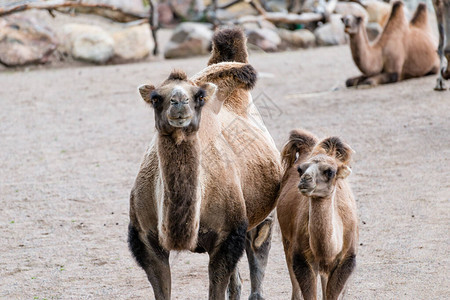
72,139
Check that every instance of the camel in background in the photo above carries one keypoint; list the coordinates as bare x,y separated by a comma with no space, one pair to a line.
403,50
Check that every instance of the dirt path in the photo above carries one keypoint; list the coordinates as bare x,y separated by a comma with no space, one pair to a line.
72,139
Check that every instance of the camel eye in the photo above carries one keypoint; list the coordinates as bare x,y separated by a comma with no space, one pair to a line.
329,173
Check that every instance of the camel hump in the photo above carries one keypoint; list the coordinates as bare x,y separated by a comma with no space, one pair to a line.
298,147
229,45
397,11
420,18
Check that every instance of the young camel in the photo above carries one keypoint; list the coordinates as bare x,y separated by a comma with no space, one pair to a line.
317,216
211,174
403,50
442,9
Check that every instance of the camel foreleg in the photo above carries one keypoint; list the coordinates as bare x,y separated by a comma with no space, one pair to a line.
153,259
223,260
354,81
339,276
257,247
306,276
382,78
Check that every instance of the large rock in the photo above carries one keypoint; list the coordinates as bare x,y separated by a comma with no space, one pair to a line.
332,33
133,43
189,39
25,41
88,43
301,38
351,8
378,11
264,38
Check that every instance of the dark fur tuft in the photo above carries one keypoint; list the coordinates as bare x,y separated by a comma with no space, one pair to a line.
177,75
420,18
301,142
246,76
333,146
397,7
229,253
229,45
180,175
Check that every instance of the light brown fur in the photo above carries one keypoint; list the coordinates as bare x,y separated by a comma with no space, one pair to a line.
403,50
233,175
320,234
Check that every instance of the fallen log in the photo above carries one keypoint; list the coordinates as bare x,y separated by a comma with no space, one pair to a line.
107,11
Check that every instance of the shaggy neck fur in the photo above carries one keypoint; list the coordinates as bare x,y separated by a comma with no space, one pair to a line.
179,161
366,57
325,228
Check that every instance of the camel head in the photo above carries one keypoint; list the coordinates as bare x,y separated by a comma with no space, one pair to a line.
351,23
327,163
177,103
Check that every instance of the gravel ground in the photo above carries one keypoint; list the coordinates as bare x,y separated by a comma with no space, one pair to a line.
72,139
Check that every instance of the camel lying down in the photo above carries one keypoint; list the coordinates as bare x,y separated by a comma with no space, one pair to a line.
210,177
403,50
317,215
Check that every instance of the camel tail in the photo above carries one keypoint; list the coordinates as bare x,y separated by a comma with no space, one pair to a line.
298,147
229,45
420,18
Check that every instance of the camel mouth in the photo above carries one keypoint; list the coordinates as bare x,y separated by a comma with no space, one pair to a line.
180,122
306,191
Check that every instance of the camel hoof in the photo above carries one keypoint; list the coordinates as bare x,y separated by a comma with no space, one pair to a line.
440,85
351,82
255,296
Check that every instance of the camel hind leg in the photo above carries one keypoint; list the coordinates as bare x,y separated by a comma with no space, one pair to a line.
153,259
223,260
257,247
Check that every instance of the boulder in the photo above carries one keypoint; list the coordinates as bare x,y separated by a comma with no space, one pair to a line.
165,14
331,33
301,38
378,11
88,43
25,41
133,43
264,38
189,39
373,30
351,8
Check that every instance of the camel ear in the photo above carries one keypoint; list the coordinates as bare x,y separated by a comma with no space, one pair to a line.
334,147
210,90
343,172
146,91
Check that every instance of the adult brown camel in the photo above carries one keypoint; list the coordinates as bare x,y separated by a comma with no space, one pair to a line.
211,173
317,215
403,50
442,9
